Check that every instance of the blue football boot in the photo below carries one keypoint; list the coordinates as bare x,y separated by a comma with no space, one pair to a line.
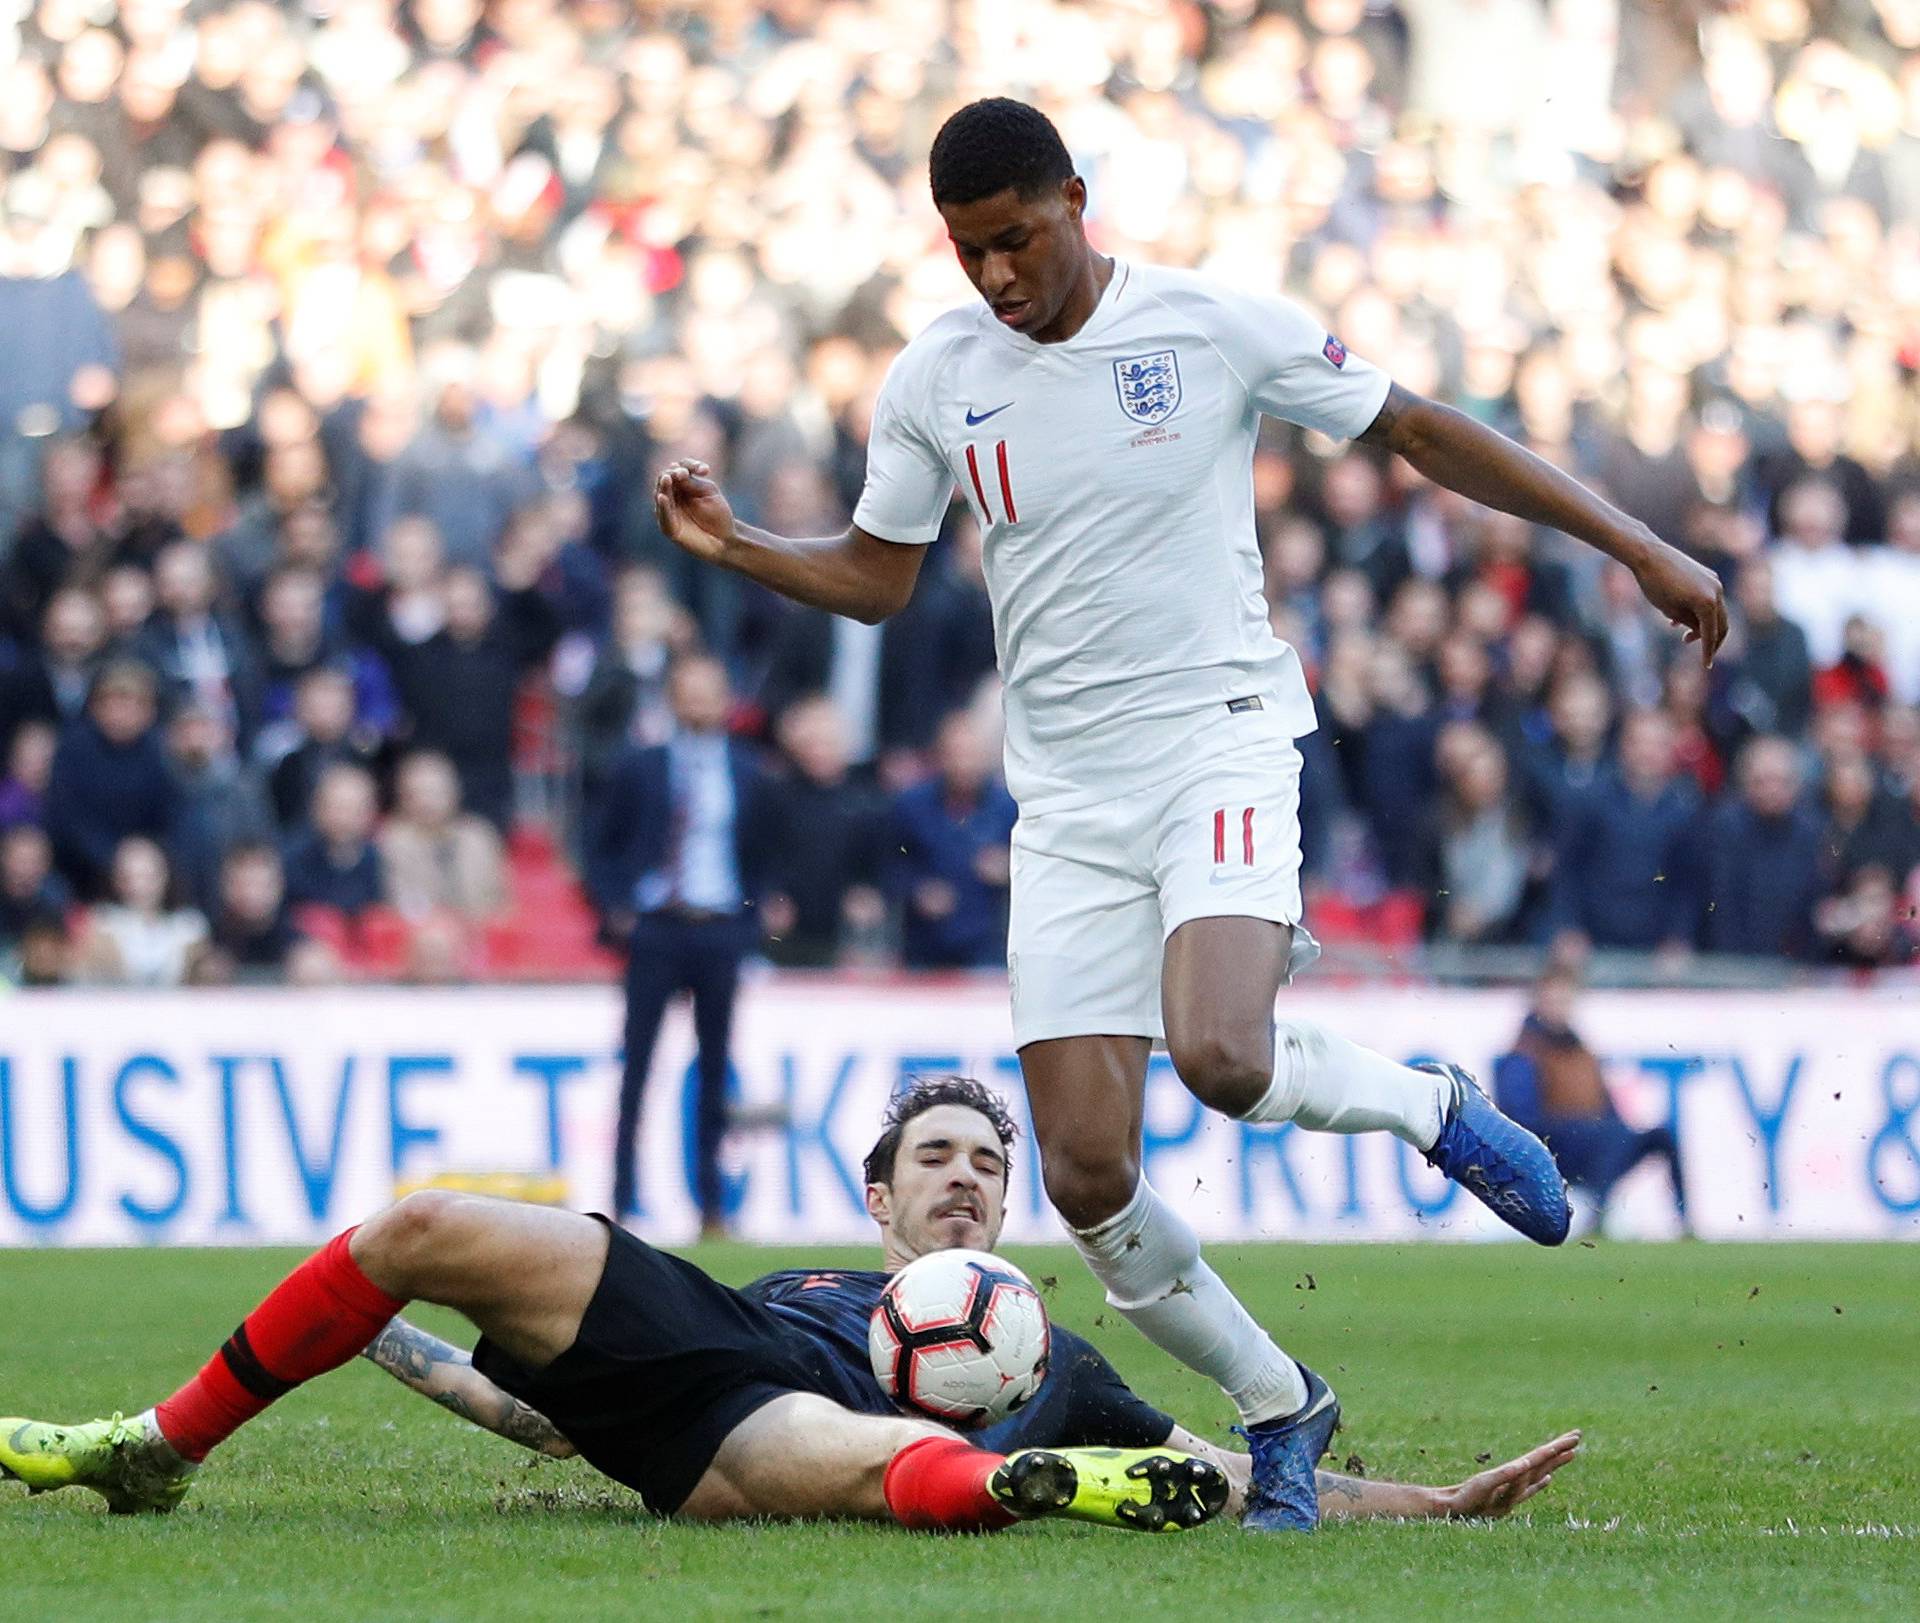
1282,1497
1499,1162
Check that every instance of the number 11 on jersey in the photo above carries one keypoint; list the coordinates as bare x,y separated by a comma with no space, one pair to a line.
1006,484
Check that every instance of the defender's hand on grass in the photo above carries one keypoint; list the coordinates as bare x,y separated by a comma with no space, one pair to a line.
1503,1489
691,510
1688,593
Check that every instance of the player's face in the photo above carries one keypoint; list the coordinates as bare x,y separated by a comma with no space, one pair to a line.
949,1185
1021,253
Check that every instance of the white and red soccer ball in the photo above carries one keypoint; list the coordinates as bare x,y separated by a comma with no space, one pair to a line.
960,1337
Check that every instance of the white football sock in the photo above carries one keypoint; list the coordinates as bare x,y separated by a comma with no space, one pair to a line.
1149,1260
1329,1085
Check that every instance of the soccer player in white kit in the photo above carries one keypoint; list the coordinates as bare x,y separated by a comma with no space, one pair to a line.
1100,418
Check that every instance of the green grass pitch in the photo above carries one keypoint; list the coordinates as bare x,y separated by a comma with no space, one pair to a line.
1752,1416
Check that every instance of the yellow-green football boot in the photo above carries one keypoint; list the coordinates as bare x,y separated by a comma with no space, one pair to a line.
127,1462
1148,1490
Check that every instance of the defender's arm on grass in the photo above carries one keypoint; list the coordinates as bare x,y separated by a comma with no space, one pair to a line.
1467,457
439,1370
1495,1492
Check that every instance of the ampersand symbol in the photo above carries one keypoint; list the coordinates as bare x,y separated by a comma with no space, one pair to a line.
1895,1137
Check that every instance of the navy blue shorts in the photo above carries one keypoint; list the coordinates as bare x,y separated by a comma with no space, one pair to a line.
667,1363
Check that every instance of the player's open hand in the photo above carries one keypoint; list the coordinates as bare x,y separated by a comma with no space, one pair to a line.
1688,593
1503,1489
691,510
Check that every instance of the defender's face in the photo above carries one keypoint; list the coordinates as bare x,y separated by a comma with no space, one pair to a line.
949,1186
1021,253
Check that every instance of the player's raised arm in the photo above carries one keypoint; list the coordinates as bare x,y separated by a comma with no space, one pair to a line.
1466,456
853,573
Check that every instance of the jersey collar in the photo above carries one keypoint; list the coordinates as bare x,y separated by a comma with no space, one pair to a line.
1102,316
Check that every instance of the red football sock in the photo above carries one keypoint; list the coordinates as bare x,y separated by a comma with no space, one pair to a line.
323,1313
939,1484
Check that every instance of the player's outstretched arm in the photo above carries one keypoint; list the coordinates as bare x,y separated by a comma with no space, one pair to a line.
854,573
1452,449
439,1370
1493,1493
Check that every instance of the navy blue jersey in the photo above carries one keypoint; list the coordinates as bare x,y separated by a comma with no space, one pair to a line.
1082,1402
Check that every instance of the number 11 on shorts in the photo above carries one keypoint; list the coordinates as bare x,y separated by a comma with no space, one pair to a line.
1220,819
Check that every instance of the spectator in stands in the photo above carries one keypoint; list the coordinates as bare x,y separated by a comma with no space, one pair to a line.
824,869
1774,664
64,537
43,954
29,887
877,676
1862,825
625,699
462,475
73,635
675,863
202,656
436,856
1551,1082
324,731
29,766
1892,594
1868,924
952,621
1817,577
1630,867
110,778
333,862
1763,859
254,938
460,684
1392,756
365,439
138,938
950,854
1365,535
295,640
1569,763
218,801
293,476
63,359
1482,862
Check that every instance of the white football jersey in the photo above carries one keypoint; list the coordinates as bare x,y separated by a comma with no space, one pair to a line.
1112,478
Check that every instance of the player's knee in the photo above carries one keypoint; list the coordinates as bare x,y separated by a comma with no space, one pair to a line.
397,1247
1225,1067
1088,1189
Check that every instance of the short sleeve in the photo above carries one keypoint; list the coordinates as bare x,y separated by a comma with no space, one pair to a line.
1294,369
908,482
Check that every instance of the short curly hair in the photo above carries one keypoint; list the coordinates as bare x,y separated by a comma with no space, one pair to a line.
993,145
929,1093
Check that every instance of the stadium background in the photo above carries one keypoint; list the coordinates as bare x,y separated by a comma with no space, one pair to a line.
338,344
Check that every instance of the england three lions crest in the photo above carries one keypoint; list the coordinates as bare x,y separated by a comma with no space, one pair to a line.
1149,385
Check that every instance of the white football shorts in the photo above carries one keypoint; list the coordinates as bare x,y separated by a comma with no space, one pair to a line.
1097,890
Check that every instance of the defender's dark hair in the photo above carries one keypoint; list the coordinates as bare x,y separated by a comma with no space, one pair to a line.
929,1093
989,146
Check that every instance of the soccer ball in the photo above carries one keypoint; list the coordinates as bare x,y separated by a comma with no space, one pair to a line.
960,1337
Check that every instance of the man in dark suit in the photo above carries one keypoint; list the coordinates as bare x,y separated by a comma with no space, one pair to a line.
673,864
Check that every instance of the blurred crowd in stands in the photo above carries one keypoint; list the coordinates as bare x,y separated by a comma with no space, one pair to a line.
340,339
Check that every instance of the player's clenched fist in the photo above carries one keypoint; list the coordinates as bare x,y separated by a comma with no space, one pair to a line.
691,510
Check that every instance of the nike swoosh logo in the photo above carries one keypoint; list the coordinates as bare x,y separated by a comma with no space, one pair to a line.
975,422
